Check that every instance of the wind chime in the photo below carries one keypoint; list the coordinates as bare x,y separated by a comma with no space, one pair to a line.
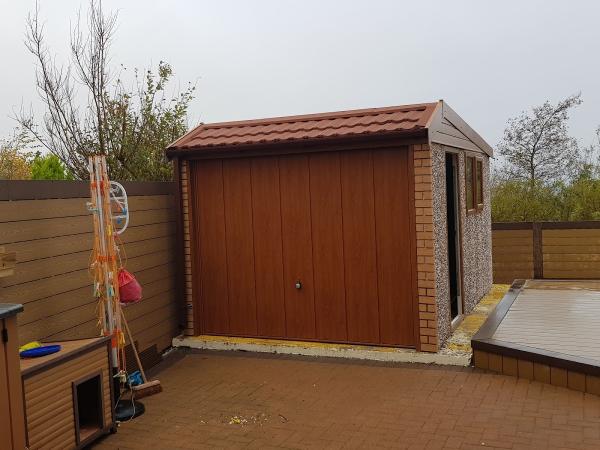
111,217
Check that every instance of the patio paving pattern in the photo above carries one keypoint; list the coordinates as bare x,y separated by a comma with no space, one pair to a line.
243,400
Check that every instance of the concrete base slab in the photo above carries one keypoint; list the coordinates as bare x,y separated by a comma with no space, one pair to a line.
318,349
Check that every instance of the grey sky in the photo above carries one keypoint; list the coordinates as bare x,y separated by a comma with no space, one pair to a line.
250,59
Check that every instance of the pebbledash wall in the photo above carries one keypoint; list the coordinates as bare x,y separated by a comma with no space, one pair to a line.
475,239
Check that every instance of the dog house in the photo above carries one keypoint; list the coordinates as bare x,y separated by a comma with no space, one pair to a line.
68,396
368,227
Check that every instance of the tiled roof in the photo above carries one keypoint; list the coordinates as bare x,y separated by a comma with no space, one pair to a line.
307,127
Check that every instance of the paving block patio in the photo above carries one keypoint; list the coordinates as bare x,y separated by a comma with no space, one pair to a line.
244,400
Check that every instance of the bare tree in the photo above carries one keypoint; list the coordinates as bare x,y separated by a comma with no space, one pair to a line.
537,146
131,128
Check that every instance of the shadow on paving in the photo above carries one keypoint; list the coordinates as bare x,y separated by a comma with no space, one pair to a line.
244,400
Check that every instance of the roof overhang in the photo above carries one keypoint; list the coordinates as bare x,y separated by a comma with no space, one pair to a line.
376,140
446,127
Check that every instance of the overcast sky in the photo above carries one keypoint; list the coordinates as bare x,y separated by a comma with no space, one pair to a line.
250,59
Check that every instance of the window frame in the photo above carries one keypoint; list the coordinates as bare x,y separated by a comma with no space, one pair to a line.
474,185
479,184
469,185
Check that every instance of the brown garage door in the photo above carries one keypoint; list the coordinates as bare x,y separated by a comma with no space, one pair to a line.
336,223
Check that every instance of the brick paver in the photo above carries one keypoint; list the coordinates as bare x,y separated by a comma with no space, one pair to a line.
237,400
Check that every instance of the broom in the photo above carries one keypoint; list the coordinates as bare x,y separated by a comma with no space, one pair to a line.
147,388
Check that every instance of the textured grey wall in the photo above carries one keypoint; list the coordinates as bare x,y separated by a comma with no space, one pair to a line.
476,240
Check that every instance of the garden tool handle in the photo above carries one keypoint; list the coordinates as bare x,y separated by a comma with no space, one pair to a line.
135,352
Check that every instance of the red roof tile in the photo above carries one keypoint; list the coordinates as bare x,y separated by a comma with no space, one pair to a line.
312,126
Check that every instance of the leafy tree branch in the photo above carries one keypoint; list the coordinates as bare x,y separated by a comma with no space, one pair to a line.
89,110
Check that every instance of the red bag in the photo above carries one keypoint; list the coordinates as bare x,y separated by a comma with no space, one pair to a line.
130,290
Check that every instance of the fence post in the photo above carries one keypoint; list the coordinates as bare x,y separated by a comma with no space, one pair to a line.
538,256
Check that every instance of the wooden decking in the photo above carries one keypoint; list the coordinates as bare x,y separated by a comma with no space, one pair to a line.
545,330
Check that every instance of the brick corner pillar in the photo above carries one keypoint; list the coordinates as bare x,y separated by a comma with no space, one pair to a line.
428,335
185,193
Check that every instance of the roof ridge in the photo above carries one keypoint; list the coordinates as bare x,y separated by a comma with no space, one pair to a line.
319,116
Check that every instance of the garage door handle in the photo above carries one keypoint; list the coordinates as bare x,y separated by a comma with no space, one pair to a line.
298,284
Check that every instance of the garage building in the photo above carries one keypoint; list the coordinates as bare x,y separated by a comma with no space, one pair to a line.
366,227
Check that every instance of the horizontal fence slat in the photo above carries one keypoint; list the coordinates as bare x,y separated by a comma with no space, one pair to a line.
52,208
546,225
47,267
573,274
571,233
572,257
572,241
61,245
44,268
509,234
144,331
55,304
506,253
11,190
583,266
513,242
147,330
45,228
512,226
88,311
38,289
591,224
156,334
514,265
569,250
38,229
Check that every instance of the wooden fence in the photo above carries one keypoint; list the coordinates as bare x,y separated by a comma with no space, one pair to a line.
559,250
47,224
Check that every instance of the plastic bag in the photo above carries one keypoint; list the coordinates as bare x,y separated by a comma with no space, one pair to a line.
130,290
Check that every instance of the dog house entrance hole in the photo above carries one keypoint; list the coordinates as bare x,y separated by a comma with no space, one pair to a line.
87,400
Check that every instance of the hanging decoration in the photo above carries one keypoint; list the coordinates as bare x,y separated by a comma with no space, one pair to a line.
110,216
130,290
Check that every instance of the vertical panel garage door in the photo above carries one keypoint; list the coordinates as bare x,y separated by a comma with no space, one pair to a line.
311,246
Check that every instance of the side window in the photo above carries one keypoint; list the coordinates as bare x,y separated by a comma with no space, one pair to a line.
479,183
474,183
469,178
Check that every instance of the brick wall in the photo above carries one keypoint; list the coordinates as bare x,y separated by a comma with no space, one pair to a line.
189,302
425,248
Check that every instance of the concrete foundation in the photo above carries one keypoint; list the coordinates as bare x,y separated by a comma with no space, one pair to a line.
317,349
